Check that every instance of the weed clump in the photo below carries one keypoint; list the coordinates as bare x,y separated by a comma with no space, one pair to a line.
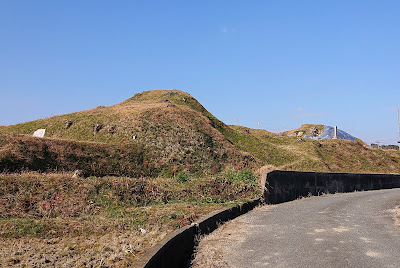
245,176
182,176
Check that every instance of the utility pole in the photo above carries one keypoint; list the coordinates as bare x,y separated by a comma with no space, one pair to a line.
335,132
398,122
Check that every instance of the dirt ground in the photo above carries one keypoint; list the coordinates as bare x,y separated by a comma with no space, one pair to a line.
110,250
211,251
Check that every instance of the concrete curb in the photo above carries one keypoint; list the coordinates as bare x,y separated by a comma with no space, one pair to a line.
177,248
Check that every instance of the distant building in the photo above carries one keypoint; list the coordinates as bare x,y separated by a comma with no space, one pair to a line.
390,147
385,147
374,145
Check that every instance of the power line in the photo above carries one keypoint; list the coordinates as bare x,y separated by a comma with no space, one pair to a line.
394,139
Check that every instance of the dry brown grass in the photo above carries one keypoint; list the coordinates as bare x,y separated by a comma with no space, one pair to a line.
287,153
265,168
38,196
213,250
305,129
210,252
175,133
342,156
56,220
113,249
22,152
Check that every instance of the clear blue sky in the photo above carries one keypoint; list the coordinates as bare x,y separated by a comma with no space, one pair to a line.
279,63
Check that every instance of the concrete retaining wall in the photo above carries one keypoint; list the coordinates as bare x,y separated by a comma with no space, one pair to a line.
176,249
283,186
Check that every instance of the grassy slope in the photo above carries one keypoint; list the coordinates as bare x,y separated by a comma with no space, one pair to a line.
174,130
287,153
177,133
66,219
22,152
305,129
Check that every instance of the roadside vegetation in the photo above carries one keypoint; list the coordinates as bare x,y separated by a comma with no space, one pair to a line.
68,217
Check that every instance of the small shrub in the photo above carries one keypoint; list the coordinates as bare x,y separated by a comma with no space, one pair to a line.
246,176
182,177
230,174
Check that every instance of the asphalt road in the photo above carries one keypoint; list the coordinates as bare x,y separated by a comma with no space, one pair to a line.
342,230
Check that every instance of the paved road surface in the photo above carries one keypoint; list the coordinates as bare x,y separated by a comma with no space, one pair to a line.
342,230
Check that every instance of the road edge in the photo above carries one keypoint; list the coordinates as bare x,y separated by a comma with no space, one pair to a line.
177,248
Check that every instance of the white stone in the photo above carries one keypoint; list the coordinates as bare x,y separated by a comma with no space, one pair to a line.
77,173
39,133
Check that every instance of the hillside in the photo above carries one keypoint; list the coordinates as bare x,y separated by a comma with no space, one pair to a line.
23,152
173,132
291,153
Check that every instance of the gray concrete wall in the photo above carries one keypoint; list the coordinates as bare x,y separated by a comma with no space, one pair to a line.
176,249
283,186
